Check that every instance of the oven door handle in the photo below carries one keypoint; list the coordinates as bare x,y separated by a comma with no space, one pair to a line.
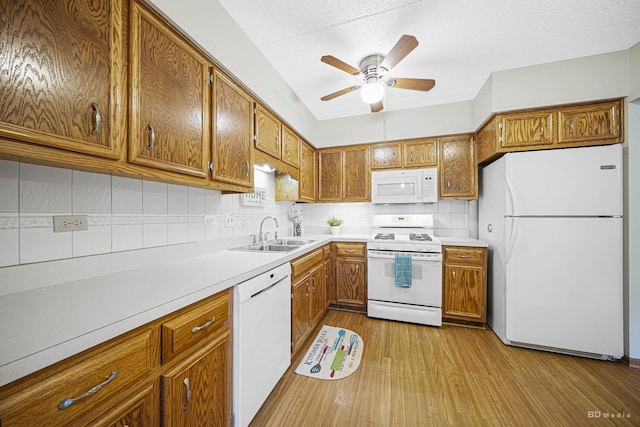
415,256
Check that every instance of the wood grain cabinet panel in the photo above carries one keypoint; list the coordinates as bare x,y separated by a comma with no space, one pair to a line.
290,147
308,173
232,152
142,409
532,128
487,146
62,77
458,168
590,123
170,103
268,135
421,153
330,175
386,156
350,275
356,174
464,283
197,391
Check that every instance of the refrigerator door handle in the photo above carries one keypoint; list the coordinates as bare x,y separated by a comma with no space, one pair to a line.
510,192
512,233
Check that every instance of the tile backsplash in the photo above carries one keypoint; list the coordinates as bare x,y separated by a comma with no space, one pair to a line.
122,213
132,214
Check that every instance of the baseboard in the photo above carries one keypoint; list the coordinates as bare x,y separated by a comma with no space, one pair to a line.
632,363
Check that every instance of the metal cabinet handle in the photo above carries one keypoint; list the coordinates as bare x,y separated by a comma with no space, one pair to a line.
206,325
97,119
454,276
448,184
357,268
246,162
541,131
187,394
308,290
68,402
463,256
348,190
411,155
152,137
350,251
313,279
571,127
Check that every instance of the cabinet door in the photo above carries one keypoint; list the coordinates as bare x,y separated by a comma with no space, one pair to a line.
290,147
267,132
420,153
528,129
327,267
169,124
599,122
386,156
330,170
62,78
464,293
356,174
300,303
350,282
140,410
458,168
487,145
232,132
199,389
318,298
308,173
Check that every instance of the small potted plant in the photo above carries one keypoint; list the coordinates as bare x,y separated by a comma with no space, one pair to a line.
335,224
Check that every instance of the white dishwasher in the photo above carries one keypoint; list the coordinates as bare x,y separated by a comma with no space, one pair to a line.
261,340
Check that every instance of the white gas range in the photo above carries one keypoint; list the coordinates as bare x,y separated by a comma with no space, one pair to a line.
405,270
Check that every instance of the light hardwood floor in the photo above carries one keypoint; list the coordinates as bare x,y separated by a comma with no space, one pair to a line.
413,375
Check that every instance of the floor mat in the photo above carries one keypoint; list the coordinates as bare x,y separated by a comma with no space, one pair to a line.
334,354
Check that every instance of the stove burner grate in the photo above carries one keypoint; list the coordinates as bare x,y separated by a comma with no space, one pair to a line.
420,237
385,236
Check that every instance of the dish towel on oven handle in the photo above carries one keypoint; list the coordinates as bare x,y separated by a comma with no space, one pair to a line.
403,270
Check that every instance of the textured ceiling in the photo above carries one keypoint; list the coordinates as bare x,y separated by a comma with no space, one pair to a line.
461,41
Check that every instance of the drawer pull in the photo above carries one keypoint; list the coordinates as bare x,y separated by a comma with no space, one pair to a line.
206,325
463,256
68,402
97,119
187,394
350,251
152,137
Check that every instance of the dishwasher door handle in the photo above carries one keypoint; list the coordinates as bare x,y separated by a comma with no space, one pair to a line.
268,288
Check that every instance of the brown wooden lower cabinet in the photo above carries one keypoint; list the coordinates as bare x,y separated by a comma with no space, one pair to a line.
136,388
464,293
351,275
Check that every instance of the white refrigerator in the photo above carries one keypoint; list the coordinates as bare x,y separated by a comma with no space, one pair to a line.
553,222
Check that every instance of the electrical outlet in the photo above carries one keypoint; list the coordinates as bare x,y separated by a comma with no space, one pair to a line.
63,223
228,220
209,220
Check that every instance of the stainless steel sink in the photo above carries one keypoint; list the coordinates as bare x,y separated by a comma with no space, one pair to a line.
276,245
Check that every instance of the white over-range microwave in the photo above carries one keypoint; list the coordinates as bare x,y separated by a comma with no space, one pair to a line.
405,186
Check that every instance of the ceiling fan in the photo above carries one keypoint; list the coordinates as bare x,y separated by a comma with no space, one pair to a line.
373,70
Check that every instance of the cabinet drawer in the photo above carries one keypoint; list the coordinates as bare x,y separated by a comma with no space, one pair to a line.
83,386
464,254
350,249
301,265
193,324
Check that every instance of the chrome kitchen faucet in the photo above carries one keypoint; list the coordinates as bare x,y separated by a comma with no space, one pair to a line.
261,237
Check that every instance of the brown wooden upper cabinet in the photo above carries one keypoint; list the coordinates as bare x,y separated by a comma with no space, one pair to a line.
268,136
410,153
290,147
526,129
170,103
62,82
232,159
330,175
308,173
600,122
386,156
345,174
458,169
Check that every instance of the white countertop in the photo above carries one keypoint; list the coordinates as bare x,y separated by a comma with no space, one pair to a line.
43,323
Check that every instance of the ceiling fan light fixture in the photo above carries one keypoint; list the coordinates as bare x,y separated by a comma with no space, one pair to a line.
372,93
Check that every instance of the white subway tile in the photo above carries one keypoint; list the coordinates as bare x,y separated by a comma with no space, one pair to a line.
91,193
154,197
178,199
45,189
196,201
126,232
39,243
9,186
126,196
9,239
95,240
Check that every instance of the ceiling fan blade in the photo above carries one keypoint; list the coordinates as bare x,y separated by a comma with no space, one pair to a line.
413,84
341,65
377,107
339,93
403,47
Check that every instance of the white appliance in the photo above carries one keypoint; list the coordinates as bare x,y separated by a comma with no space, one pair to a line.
553,222
261,340
404,186
409,235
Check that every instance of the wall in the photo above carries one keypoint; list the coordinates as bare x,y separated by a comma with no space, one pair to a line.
123,213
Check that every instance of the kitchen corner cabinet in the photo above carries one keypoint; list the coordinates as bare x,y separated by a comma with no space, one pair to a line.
464,291
350,275
170,102
232,151
63,82
267,132
308,299
140,376
308,173
458,168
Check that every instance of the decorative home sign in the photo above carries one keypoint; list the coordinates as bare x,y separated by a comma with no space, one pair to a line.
256,198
